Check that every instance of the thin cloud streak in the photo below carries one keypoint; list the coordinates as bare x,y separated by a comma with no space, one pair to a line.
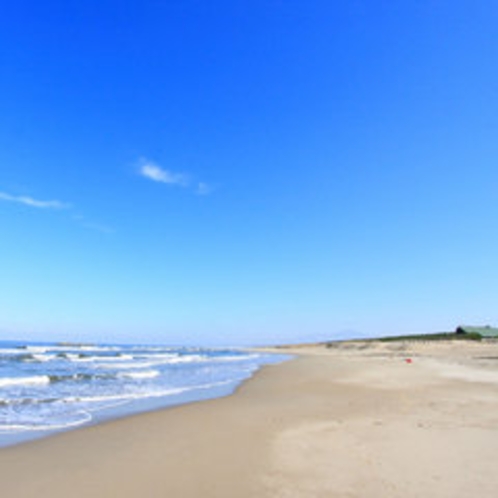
152,171
56,205
35,203
155,173
98,227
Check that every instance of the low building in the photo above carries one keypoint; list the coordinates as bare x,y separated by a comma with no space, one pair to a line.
486,332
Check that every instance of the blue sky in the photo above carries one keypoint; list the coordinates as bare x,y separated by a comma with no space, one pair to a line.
243,172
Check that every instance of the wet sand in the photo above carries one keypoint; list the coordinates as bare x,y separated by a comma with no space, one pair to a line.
354,420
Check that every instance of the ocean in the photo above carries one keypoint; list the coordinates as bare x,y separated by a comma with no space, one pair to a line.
48,388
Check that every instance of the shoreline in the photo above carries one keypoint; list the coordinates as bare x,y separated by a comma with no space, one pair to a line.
95,384
343,421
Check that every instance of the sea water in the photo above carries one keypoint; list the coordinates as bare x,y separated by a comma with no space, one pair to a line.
47,388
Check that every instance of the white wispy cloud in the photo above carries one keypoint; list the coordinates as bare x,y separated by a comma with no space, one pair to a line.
35,203
153,172
98,227
56,205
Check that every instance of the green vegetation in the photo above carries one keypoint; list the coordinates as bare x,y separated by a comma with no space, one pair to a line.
440,336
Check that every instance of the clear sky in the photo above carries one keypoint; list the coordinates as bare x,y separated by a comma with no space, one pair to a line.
233,172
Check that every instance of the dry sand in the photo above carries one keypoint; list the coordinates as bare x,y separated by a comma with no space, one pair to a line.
355,420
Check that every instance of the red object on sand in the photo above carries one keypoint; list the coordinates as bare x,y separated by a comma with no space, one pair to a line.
408,360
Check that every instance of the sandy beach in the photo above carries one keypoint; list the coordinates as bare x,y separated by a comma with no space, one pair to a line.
353,420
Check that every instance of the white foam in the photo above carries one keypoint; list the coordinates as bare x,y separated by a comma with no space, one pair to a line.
42,357
36,380
196,358
107,359
37,349
21,427
97,399
11,351
157,356
193,358
126,365
127,397
235,358
147,374
98,348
